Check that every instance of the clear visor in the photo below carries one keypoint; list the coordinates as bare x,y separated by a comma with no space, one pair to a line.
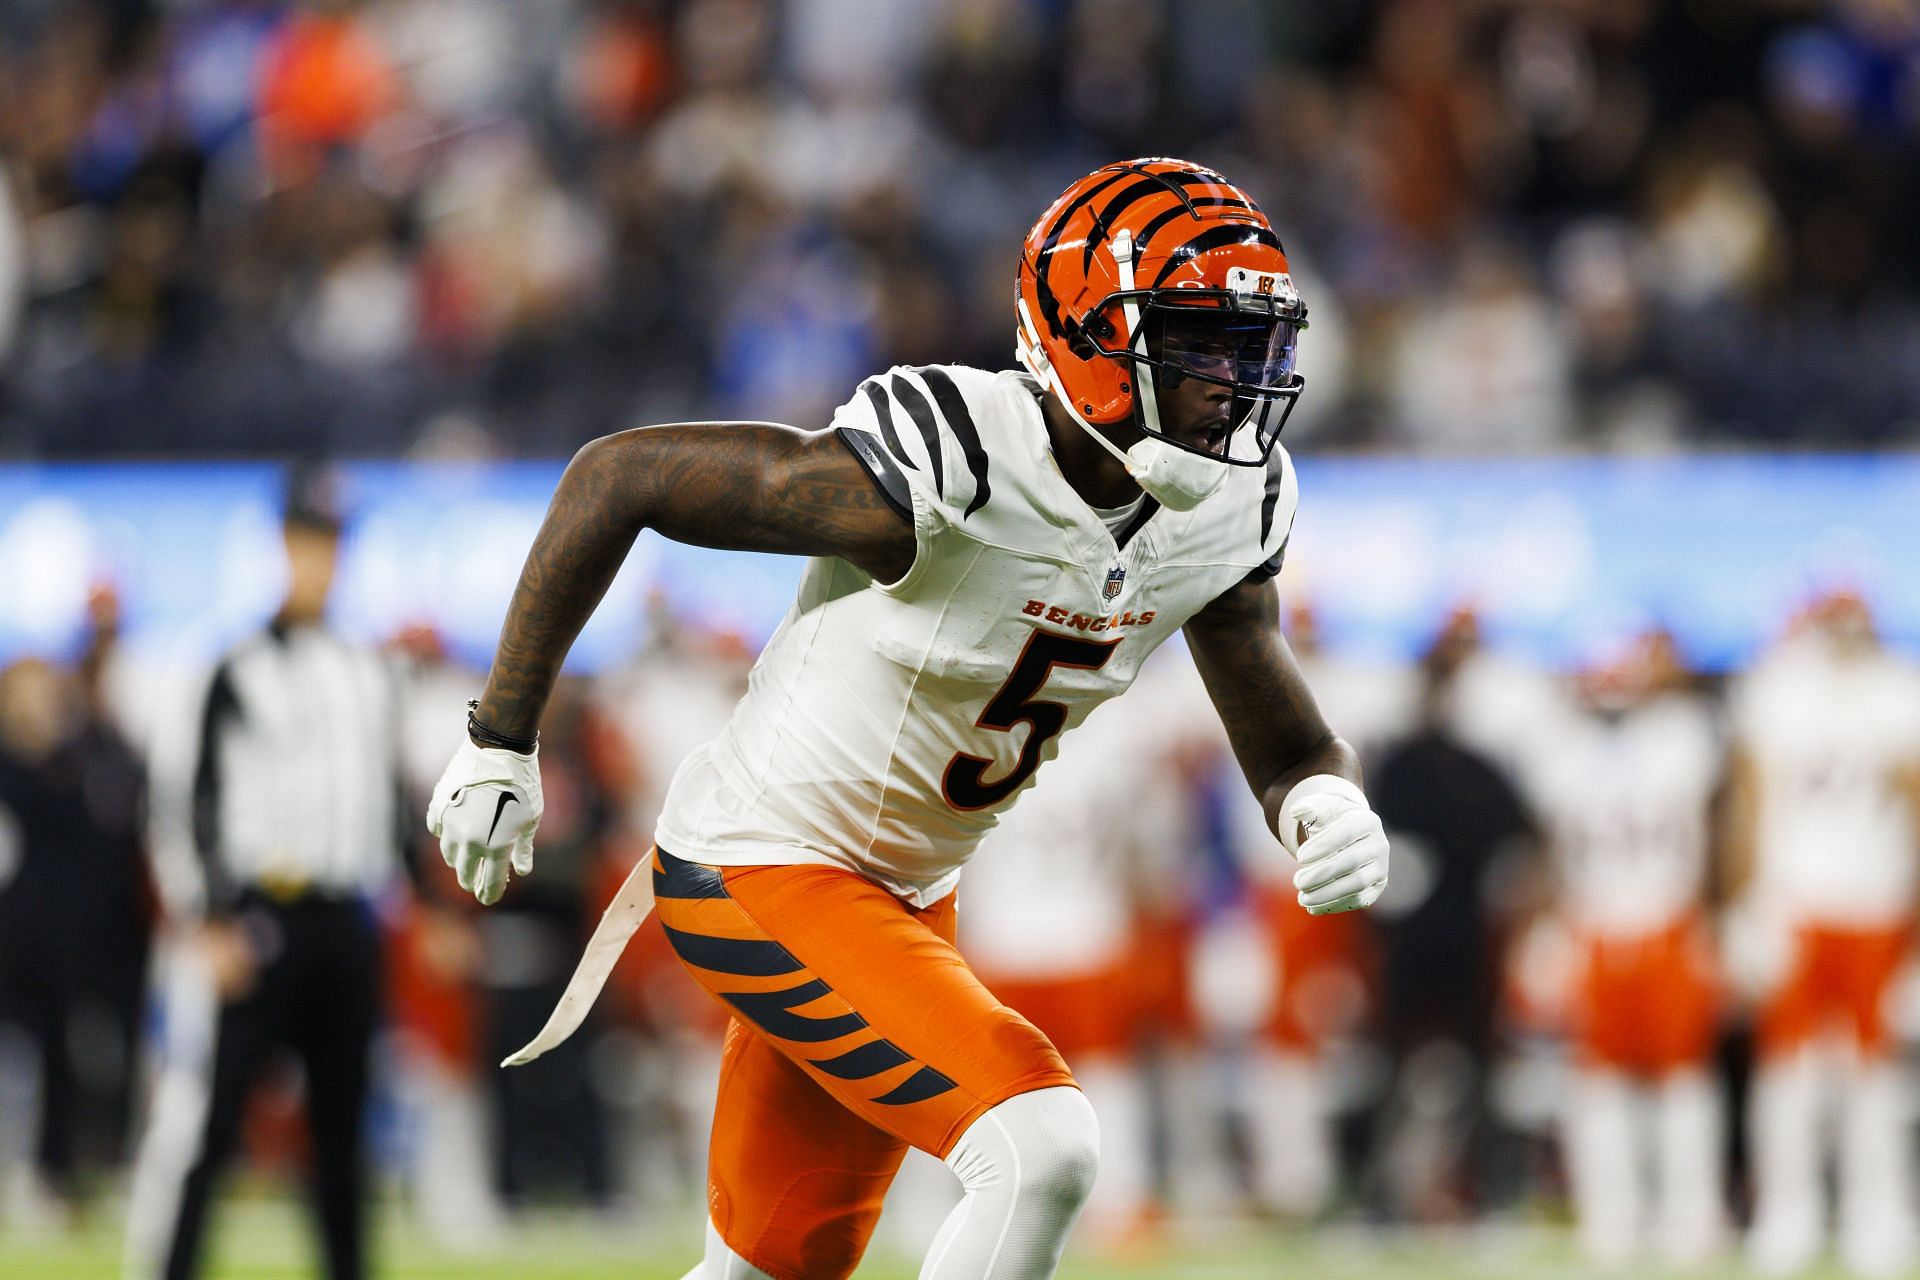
1251,352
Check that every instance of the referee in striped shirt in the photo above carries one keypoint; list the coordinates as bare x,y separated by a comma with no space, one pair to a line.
297,827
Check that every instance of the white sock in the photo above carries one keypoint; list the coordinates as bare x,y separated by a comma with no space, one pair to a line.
1118,1096
1785,1139
1198,1177
452,1192
1688,1137
722,1263
1601,1130
1026,1167
1877,1228
1291,1139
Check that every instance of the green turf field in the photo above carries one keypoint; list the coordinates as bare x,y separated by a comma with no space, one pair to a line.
268,1239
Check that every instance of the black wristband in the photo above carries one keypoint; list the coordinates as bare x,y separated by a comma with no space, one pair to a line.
486,737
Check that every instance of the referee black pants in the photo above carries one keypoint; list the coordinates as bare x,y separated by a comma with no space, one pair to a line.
317,993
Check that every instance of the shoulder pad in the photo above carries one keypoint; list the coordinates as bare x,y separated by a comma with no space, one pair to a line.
914,429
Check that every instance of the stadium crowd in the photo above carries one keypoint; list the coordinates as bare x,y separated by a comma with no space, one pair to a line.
375,227
1608,975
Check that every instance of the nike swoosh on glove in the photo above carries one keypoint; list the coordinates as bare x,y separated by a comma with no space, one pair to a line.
484,811
1343,853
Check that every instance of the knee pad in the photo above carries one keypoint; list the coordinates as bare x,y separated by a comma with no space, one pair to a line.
1043,1146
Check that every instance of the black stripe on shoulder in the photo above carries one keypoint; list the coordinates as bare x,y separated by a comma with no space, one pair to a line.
922,414
881,468
883,410
1213,238
1276,481
953,407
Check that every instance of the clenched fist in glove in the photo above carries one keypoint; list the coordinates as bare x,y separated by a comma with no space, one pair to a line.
484,810
1342,848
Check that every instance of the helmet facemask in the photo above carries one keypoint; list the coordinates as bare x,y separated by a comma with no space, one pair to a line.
1243,338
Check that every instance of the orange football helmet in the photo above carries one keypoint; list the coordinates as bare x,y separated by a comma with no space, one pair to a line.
1154,270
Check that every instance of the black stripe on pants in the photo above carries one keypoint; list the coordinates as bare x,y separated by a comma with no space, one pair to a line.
317,993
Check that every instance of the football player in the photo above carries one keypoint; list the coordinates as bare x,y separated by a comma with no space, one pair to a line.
993,554
1825,808
1626,799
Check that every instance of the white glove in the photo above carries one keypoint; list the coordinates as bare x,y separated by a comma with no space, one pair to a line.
484,810
1343,857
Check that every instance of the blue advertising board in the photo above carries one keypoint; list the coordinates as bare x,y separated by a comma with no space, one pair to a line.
1551,551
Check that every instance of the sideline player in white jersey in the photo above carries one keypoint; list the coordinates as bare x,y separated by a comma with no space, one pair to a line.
969,599
1626,796
1826,804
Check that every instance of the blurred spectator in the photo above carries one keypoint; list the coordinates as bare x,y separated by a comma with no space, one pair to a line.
75,913
1484,366
325,81
12,275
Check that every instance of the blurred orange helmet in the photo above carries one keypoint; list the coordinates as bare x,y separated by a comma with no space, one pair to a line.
1164,265
1620,672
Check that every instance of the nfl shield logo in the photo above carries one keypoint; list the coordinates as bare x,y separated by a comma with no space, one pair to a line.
1116,578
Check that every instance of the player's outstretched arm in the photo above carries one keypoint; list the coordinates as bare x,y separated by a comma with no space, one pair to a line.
745,486
1306,778
749,486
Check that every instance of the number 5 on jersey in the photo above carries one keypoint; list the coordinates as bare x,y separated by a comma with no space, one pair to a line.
965,783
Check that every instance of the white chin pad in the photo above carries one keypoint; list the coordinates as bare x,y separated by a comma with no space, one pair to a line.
1176,478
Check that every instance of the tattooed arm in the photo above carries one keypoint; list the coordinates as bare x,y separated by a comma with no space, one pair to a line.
1276,729
743,486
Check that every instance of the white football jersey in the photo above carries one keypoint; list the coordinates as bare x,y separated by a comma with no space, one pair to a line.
887,726
1626,803
1829,737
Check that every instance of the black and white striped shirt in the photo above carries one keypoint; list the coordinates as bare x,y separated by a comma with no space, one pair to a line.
297,782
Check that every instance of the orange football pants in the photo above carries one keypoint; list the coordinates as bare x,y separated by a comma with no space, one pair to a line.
857,1030
1085,1015
1840,980
1648,1003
